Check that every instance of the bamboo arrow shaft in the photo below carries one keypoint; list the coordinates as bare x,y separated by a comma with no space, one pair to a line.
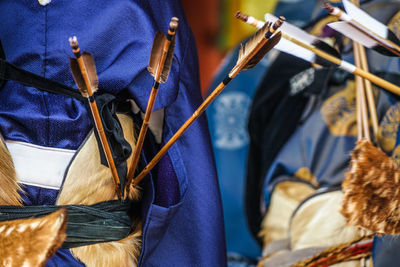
370,93
358,104
141,137
370,97
361,94
150,104
367,84
235,70
179,133
347,66
359,115
105,146
103,138
378,81
98,124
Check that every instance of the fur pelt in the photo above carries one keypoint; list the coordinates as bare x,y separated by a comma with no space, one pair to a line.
30,242
372,190
88,182
9,188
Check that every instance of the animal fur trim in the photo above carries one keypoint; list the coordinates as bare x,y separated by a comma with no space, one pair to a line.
30,242
372,190
9,188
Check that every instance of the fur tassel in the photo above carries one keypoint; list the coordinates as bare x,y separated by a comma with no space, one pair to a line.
372,190
30,242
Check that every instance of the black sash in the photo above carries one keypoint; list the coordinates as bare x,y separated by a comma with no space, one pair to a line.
9,72
98,223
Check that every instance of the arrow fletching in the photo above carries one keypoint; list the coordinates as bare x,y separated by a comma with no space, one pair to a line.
263,51
365,19
88,59
362,37
91,71
155,55
251,44
78,78
255,48
364,29
298,51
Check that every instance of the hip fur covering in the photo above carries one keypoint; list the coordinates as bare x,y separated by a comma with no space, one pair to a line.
86,182
27,242
31,242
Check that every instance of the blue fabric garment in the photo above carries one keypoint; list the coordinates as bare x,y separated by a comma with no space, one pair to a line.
385,251
183,230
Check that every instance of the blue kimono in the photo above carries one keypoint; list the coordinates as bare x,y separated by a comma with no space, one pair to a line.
181,206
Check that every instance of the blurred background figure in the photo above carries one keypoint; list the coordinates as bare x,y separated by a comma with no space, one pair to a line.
218,34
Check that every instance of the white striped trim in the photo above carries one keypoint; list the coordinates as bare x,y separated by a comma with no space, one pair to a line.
38,165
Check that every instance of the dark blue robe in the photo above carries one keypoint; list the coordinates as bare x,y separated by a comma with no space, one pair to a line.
182,216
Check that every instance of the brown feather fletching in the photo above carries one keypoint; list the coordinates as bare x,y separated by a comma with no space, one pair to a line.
372,190
156,52
91,70
78,78
263,51
168,61
155,55
253,43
